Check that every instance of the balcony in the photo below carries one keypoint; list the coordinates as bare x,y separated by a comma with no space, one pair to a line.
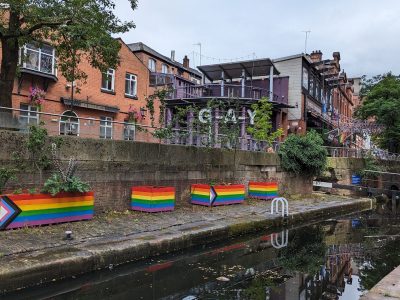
253,92
39,60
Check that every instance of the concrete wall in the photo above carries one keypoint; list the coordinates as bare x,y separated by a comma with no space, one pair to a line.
112,167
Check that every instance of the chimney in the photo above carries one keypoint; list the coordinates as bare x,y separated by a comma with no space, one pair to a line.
316,56
173,55
186,62
336,56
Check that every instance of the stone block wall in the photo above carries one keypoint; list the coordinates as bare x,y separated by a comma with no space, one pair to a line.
112,167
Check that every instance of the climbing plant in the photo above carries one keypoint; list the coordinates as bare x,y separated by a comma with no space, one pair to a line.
262,130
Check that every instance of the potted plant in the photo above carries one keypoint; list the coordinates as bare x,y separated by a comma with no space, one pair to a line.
64,198
152,198
217,195
36,97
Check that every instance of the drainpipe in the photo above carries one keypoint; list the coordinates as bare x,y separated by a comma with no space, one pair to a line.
222,83
243,83
271,83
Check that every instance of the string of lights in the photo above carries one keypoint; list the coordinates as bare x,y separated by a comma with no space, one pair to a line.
216,59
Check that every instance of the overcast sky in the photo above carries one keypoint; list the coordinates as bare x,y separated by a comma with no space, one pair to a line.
366,32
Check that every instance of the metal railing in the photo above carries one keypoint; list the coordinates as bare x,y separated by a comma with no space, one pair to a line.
86,127
362,153
218,90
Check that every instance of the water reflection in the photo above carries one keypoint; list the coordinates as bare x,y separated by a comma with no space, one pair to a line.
336,259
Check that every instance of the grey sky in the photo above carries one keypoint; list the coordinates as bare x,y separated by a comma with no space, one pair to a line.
366,32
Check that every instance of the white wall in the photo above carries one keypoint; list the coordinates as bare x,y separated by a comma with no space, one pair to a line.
293,69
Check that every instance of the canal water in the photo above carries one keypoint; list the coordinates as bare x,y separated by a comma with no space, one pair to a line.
334,259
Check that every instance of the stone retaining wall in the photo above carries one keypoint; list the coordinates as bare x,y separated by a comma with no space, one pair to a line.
112,167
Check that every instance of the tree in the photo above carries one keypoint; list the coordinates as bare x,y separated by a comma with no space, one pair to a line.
262,128
381,104
303,155
78,29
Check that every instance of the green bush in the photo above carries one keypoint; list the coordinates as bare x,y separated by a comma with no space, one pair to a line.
303,155
56,184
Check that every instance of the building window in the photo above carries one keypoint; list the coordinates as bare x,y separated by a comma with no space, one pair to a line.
69,123
41,59
106,127
130,85
305,78
28,115
152,65
129,132
312,87
108,80
164,69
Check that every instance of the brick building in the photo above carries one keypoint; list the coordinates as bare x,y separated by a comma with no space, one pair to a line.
101,107
319,92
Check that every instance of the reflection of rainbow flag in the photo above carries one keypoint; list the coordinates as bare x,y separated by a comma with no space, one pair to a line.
263,190
42,209
153,198
207,195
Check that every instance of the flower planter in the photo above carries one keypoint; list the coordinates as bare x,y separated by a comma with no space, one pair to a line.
153,198
203,194
23,210
263,190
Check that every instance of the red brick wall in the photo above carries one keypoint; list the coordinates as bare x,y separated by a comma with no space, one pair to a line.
91,90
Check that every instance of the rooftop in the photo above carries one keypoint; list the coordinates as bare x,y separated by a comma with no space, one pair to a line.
140,47
232,70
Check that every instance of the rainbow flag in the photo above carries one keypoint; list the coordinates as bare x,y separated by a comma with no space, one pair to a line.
153,198
43,209
202,194
263,190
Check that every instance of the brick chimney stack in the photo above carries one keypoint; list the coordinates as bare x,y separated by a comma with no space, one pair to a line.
186,62
316,56
336,56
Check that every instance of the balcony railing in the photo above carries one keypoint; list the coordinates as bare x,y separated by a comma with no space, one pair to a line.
220,91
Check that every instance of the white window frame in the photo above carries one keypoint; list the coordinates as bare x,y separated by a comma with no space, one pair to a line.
152,65
129,131
132,78
70,124
109,74
106,123
40,53
164,69
29,110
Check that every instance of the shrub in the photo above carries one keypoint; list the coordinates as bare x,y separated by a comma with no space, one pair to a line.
56,184
303,155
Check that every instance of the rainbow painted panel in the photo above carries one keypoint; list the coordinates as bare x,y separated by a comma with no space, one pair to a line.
203,194
229,194
263,190
152,198
44,209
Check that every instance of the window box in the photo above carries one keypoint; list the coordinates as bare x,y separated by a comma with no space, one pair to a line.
153,198
263,190
39,60
17,211
217,195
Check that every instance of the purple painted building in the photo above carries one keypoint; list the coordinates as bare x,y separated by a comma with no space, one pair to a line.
238,85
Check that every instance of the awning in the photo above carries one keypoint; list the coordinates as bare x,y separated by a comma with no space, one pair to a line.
233,70
90,105
204,100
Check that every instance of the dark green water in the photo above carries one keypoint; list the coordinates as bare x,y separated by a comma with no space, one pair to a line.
334,259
